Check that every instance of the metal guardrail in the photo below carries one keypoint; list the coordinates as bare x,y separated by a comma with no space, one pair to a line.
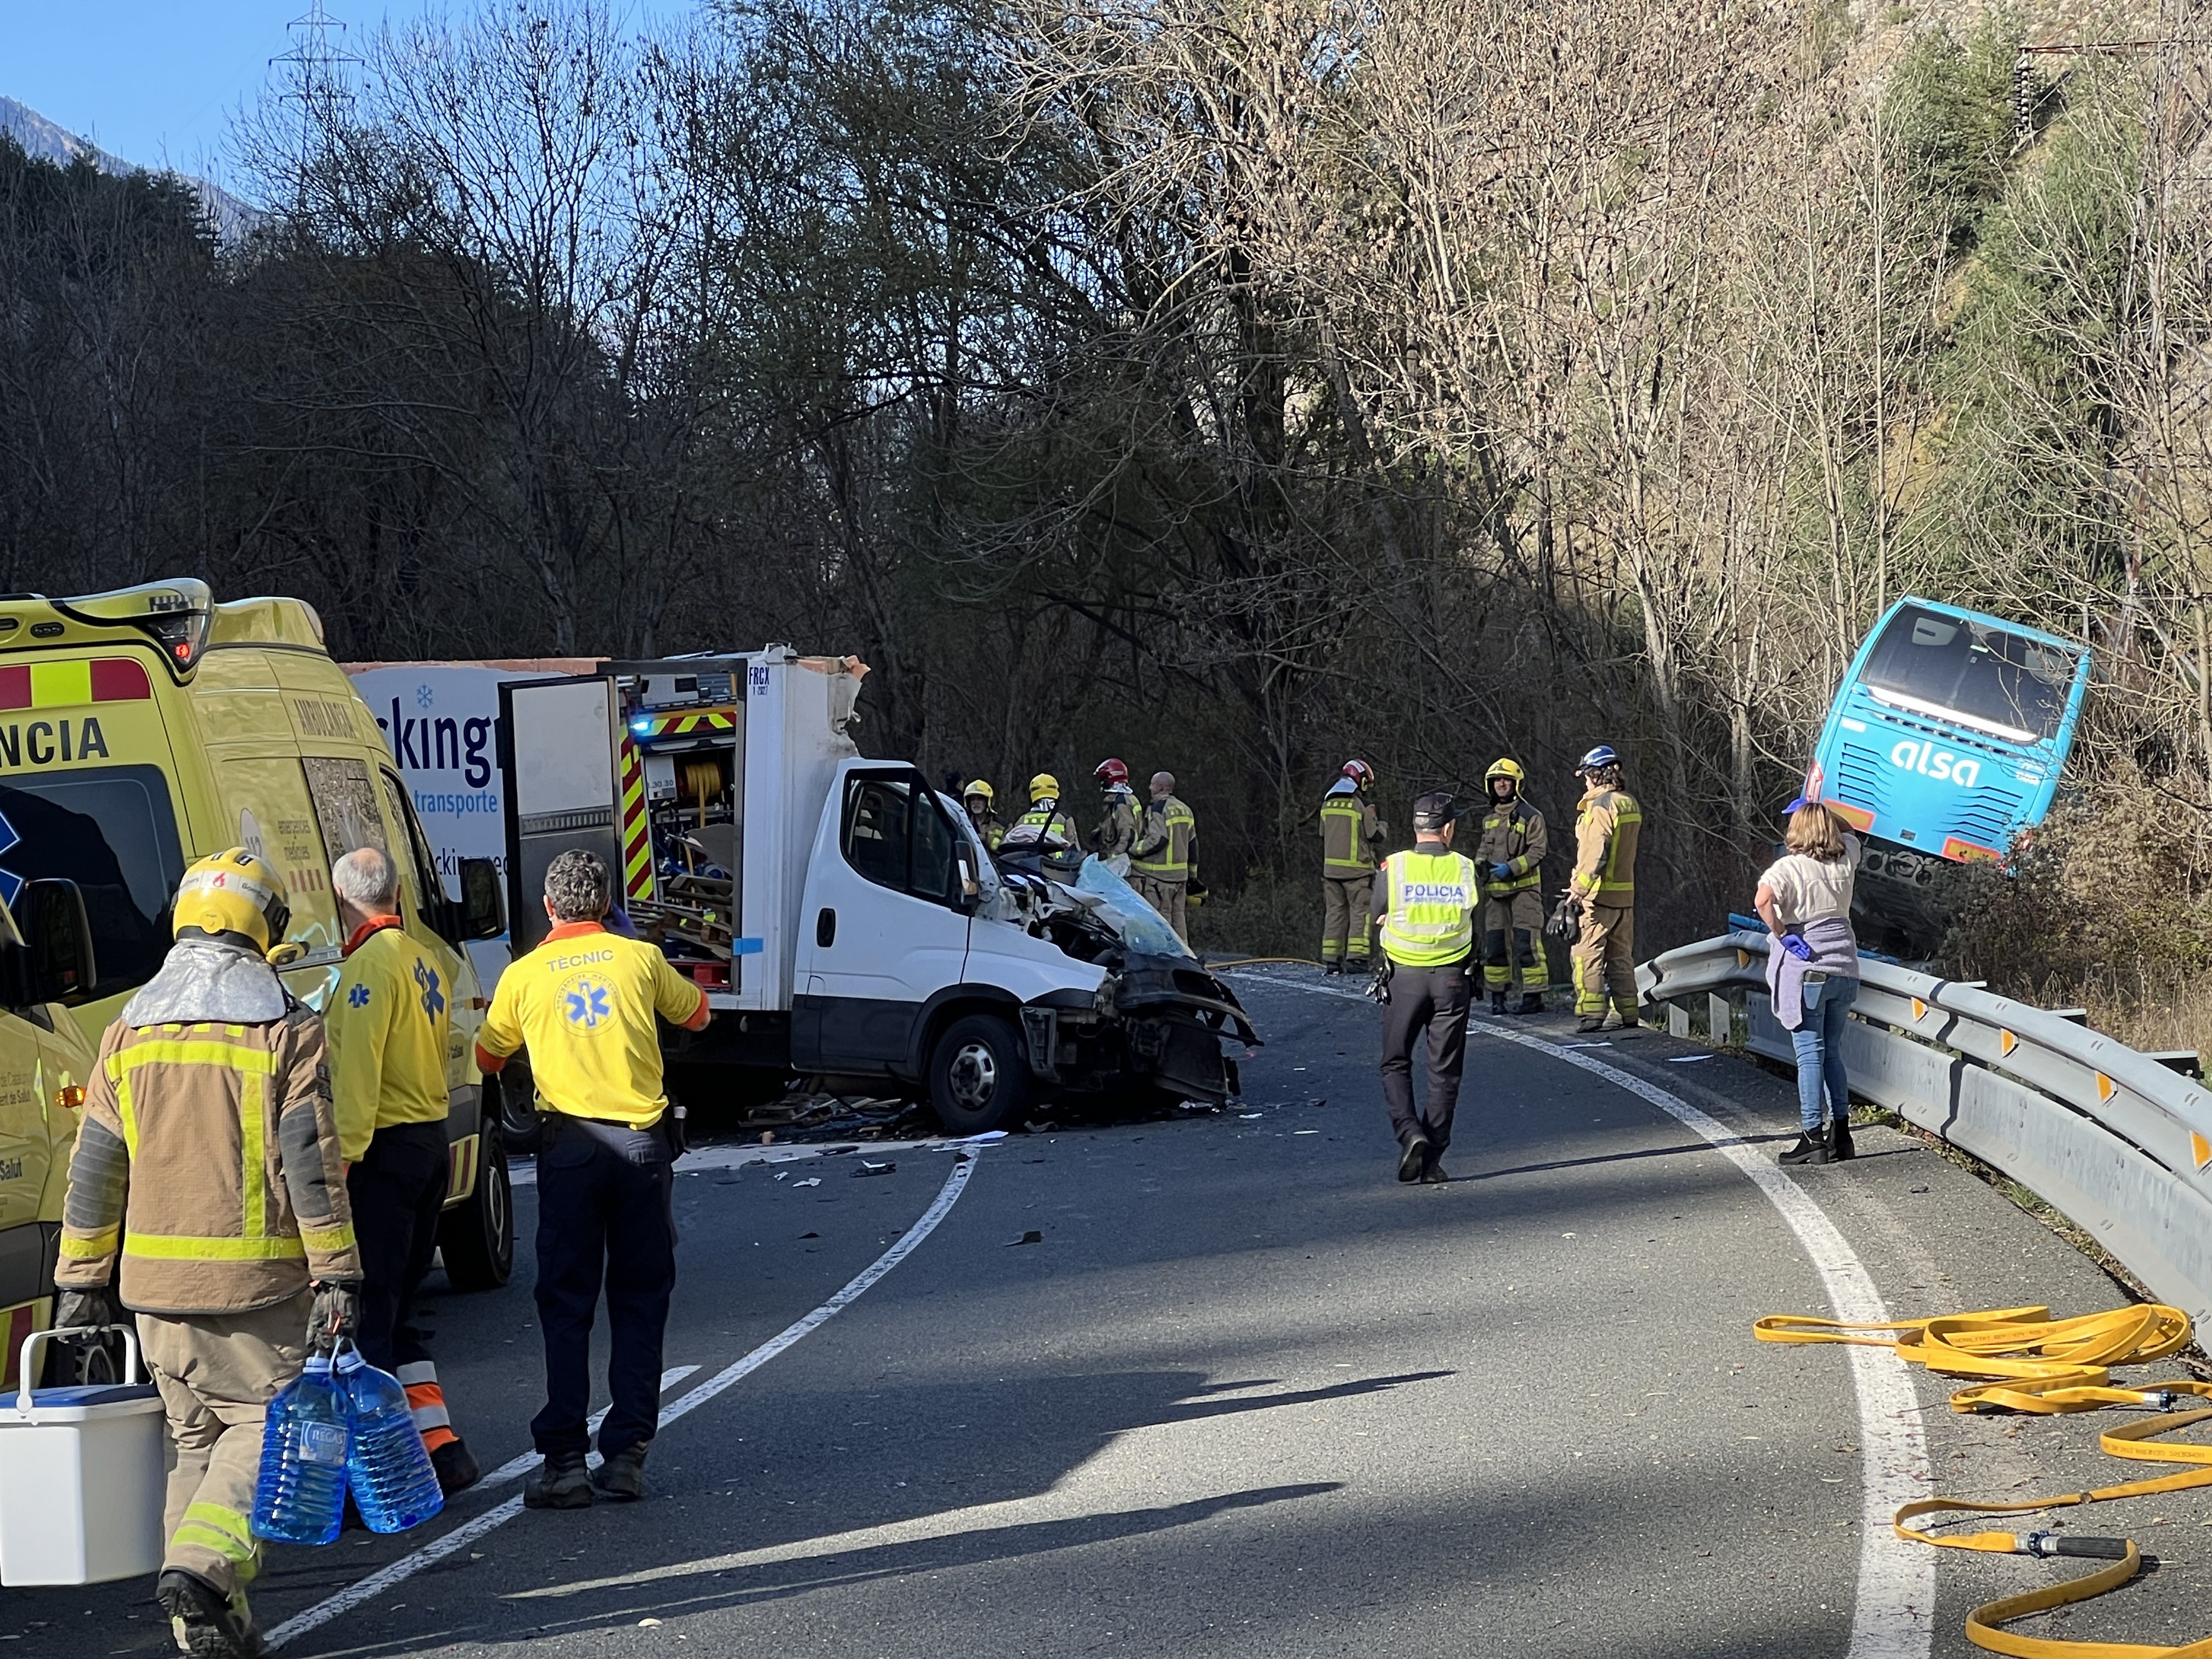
2118,1141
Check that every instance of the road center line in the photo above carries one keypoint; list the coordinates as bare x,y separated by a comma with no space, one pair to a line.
1894,1617
462,1536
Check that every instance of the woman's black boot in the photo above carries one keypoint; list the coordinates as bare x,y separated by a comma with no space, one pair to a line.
1812,1147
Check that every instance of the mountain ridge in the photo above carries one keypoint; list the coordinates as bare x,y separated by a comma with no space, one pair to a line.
49,141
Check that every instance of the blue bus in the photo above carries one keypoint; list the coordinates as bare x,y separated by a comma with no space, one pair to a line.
1944,741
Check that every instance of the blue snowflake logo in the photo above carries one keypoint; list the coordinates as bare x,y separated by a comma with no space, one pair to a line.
587,1003
358,997
434,1000
423,698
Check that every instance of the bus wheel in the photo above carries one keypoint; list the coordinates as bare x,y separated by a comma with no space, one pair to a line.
477,1235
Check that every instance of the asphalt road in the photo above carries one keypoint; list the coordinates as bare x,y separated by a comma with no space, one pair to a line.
1247,1396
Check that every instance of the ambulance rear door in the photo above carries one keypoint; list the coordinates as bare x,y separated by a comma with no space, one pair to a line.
560,743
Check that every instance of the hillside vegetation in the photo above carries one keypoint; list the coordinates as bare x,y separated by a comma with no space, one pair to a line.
1233,387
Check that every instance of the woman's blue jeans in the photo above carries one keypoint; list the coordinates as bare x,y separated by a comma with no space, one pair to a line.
1819,1041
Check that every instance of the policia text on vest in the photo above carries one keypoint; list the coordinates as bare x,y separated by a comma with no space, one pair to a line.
1426,898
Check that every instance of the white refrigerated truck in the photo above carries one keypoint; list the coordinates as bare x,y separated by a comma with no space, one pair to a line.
843,917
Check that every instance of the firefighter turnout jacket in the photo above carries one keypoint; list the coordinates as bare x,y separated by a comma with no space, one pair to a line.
1427,900
388,1027
1351,834
1513,835
208,1158
1167,842
1050,821
1117,831
1607,824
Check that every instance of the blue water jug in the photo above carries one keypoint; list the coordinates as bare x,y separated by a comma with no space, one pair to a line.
393,1485
300,1494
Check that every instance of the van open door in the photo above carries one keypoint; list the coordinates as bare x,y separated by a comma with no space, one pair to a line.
559,750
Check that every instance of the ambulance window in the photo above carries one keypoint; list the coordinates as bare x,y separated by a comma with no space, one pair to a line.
345,805
112,831
417,859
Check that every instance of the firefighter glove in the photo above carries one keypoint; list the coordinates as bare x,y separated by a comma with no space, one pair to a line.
1565,924
1794,944
1501,873
336,1313
75,1309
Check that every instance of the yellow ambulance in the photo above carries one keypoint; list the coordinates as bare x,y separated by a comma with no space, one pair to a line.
145,728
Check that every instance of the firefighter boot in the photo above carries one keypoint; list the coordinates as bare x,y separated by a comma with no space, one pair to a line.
1589,1022
207,1624
1497,1002
1532,1002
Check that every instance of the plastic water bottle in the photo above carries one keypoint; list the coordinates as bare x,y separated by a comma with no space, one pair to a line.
393,1485
300,1494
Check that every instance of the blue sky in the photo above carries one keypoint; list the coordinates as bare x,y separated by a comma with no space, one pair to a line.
155,81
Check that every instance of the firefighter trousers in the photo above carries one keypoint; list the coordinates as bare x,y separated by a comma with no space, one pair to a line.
1512,936
1431,1000
218,1373
398,1191
1345,930
1605,961
1165,896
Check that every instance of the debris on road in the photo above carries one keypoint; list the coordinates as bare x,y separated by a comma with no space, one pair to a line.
1685,1060
811,1180
865,1168
1032,1237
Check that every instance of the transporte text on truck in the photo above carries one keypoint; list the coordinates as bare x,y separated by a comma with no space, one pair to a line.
841,914
144,729
1944,741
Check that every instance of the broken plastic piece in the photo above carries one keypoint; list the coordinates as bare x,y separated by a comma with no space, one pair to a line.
1032,1237
865,1168
811,1180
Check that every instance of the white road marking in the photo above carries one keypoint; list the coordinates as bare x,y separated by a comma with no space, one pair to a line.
1894,1617
436,1551
522,1170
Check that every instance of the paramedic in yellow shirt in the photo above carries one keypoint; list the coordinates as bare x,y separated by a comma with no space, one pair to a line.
389,1021
584,1003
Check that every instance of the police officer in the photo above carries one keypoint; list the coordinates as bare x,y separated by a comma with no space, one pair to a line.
583,1004
1607,822
207,1160
1351,836
390,1019
1513,844
1045,816
1165,860
1117,831
1426,898
977,798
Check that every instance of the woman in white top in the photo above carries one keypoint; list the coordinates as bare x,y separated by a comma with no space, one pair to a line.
1813,970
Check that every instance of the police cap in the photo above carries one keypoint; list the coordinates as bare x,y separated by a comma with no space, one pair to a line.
1435,809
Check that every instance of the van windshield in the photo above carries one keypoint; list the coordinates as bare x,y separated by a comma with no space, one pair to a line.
1971,671
112,831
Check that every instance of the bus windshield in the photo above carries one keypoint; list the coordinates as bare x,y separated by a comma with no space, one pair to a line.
112,831
1970,671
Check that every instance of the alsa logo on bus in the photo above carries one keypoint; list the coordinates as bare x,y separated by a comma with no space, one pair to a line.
1933,763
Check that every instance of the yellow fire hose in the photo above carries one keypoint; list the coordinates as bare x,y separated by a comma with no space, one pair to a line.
2045,1366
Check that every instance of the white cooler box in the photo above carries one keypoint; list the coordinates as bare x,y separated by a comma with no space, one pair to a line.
82,1476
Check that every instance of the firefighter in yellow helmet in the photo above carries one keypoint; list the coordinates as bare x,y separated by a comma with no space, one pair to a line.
207,1165
1046,817
1507,856
1352,836
1165,860
1608,824
977,797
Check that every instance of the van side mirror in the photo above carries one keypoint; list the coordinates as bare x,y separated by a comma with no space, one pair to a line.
59,965
483,900
971,876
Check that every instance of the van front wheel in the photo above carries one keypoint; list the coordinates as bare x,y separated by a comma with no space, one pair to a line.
979,1079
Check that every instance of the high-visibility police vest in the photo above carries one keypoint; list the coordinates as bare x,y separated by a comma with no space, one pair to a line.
1050,821
1344,849
1170,860
1432,897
